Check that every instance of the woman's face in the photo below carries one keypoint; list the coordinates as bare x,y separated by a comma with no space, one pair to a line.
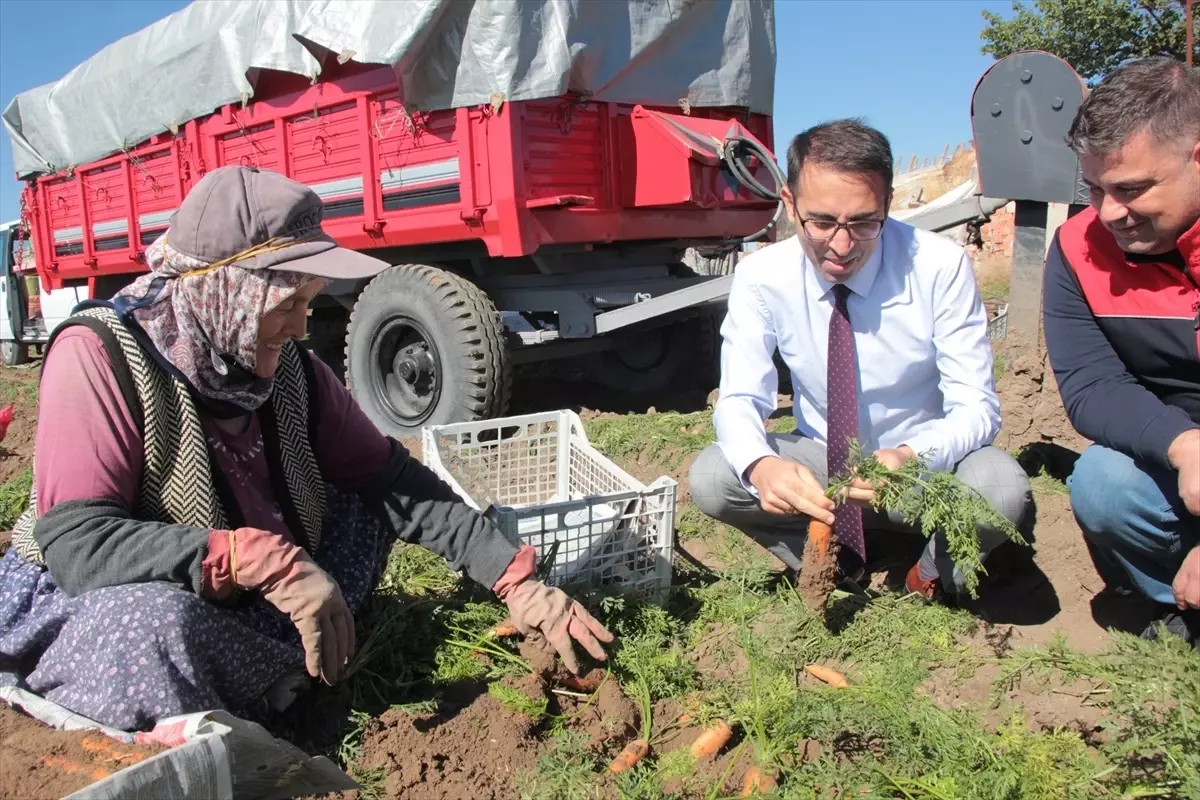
288,320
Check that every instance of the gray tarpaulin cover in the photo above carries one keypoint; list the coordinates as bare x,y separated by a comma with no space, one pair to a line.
446,53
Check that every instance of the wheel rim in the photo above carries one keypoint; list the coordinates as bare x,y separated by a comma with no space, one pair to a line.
406,375
645,353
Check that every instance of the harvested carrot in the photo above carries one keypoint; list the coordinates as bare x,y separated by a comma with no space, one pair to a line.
818,565
634,752
758,781
102,746
76,767
827,674
506,628
684,720
586,683
819,534
713,739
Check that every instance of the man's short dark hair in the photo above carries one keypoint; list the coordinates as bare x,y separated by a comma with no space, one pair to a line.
846,145
1159,95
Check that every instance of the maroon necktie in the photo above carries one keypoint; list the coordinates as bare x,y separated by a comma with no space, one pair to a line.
842,416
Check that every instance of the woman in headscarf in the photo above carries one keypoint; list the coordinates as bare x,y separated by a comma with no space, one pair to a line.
210,506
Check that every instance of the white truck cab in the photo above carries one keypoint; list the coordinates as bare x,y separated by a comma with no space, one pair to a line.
27,313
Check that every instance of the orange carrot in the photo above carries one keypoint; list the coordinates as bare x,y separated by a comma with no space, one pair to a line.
76,767
586,683
634,752
819,534
713,739
684,720
830,676
506,628
102,746
758,781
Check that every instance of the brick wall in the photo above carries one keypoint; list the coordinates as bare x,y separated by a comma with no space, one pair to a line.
997,233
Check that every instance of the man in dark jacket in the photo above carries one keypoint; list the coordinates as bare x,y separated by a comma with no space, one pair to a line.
1122,322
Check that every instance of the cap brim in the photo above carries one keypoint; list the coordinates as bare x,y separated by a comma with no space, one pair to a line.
336,263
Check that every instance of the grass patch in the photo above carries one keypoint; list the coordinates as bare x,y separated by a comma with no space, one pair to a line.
998,367
693,524
667,437
995,289
734,646
11,390
1045,483
14,497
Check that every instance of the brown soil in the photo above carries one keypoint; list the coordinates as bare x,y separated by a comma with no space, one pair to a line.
475,746
18,386
1029,400
40,762
1042,707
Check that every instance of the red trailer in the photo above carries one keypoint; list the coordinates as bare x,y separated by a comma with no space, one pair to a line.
515,227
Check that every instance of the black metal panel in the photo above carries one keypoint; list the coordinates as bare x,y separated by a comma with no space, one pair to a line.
1020,113
350,207
417,198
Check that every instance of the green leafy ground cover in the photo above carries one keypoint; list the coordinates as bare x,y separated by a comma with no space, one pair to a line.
732,643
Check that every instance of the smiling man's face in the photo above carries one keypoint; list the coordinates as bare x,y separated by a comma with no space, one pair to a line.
825,196
1147,193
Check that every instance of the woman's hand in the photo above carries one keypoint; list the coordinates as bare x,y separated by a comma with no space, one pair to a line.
536,606
288,579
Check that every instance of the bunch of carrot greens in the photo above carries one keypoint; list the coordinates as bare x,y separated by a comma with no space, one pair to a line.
930,501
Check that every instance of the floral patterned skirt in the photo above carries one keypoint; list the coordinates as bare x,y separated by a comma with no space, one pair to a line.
130,655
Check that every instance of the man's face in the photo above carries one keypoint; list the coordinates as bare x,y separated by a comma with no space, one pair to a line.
1147,193
826,197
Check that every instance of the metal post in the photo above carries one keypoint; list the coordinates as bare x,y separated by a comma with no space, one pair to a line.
1028,259
1191,47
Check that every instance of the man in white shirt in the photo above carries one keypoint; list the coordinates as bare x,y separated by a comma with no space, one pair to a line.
885,335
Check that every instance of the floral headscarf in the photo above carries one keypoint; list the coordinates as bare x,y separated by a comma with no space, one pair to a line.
206,325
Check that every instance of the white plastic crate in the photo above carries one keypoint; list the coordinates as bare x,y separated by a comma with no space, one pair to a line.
540,480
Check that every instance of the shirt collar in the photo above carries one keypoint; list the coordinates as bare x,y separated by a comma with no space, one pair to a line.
1189,248
862,281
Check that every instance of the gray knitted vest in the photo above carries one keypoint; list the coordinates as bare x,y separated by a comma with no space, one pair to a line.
178,483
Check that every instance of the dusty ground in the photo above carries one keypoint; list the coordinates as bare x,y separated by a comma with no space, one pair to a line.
42,763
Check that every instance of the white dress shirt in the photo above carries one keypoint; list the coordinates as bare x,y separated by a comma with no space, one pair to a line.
920,333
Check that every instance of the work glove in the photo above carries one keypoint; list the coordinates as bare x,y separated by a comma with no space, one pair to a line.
534,606
282,572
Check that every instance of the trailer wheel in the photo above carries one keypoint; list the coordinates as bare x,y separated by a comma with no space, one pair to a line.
426,347
14,353
682,355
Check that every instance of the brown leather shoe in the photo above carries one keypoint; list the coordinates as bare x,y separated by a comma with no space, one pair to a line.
915,583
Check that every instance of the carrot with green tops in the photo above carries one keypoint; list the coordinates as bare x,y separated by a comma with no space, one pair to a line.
634,752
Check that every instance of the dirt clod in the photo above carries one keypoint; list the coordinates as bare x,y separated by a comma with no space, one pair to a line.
40,761
474,752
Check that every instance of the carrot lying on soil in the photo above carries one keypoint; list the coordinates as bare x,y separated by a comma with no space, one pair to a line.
758,781
713,739
101,746
827,674
634,752
76,767
586,683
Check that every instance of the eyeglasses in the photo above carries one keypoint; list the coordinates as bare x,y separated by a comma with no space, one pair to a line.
860,230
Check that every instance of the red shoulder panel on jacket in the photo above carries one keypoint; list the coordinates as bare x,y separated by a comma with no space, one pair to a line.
1112,285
